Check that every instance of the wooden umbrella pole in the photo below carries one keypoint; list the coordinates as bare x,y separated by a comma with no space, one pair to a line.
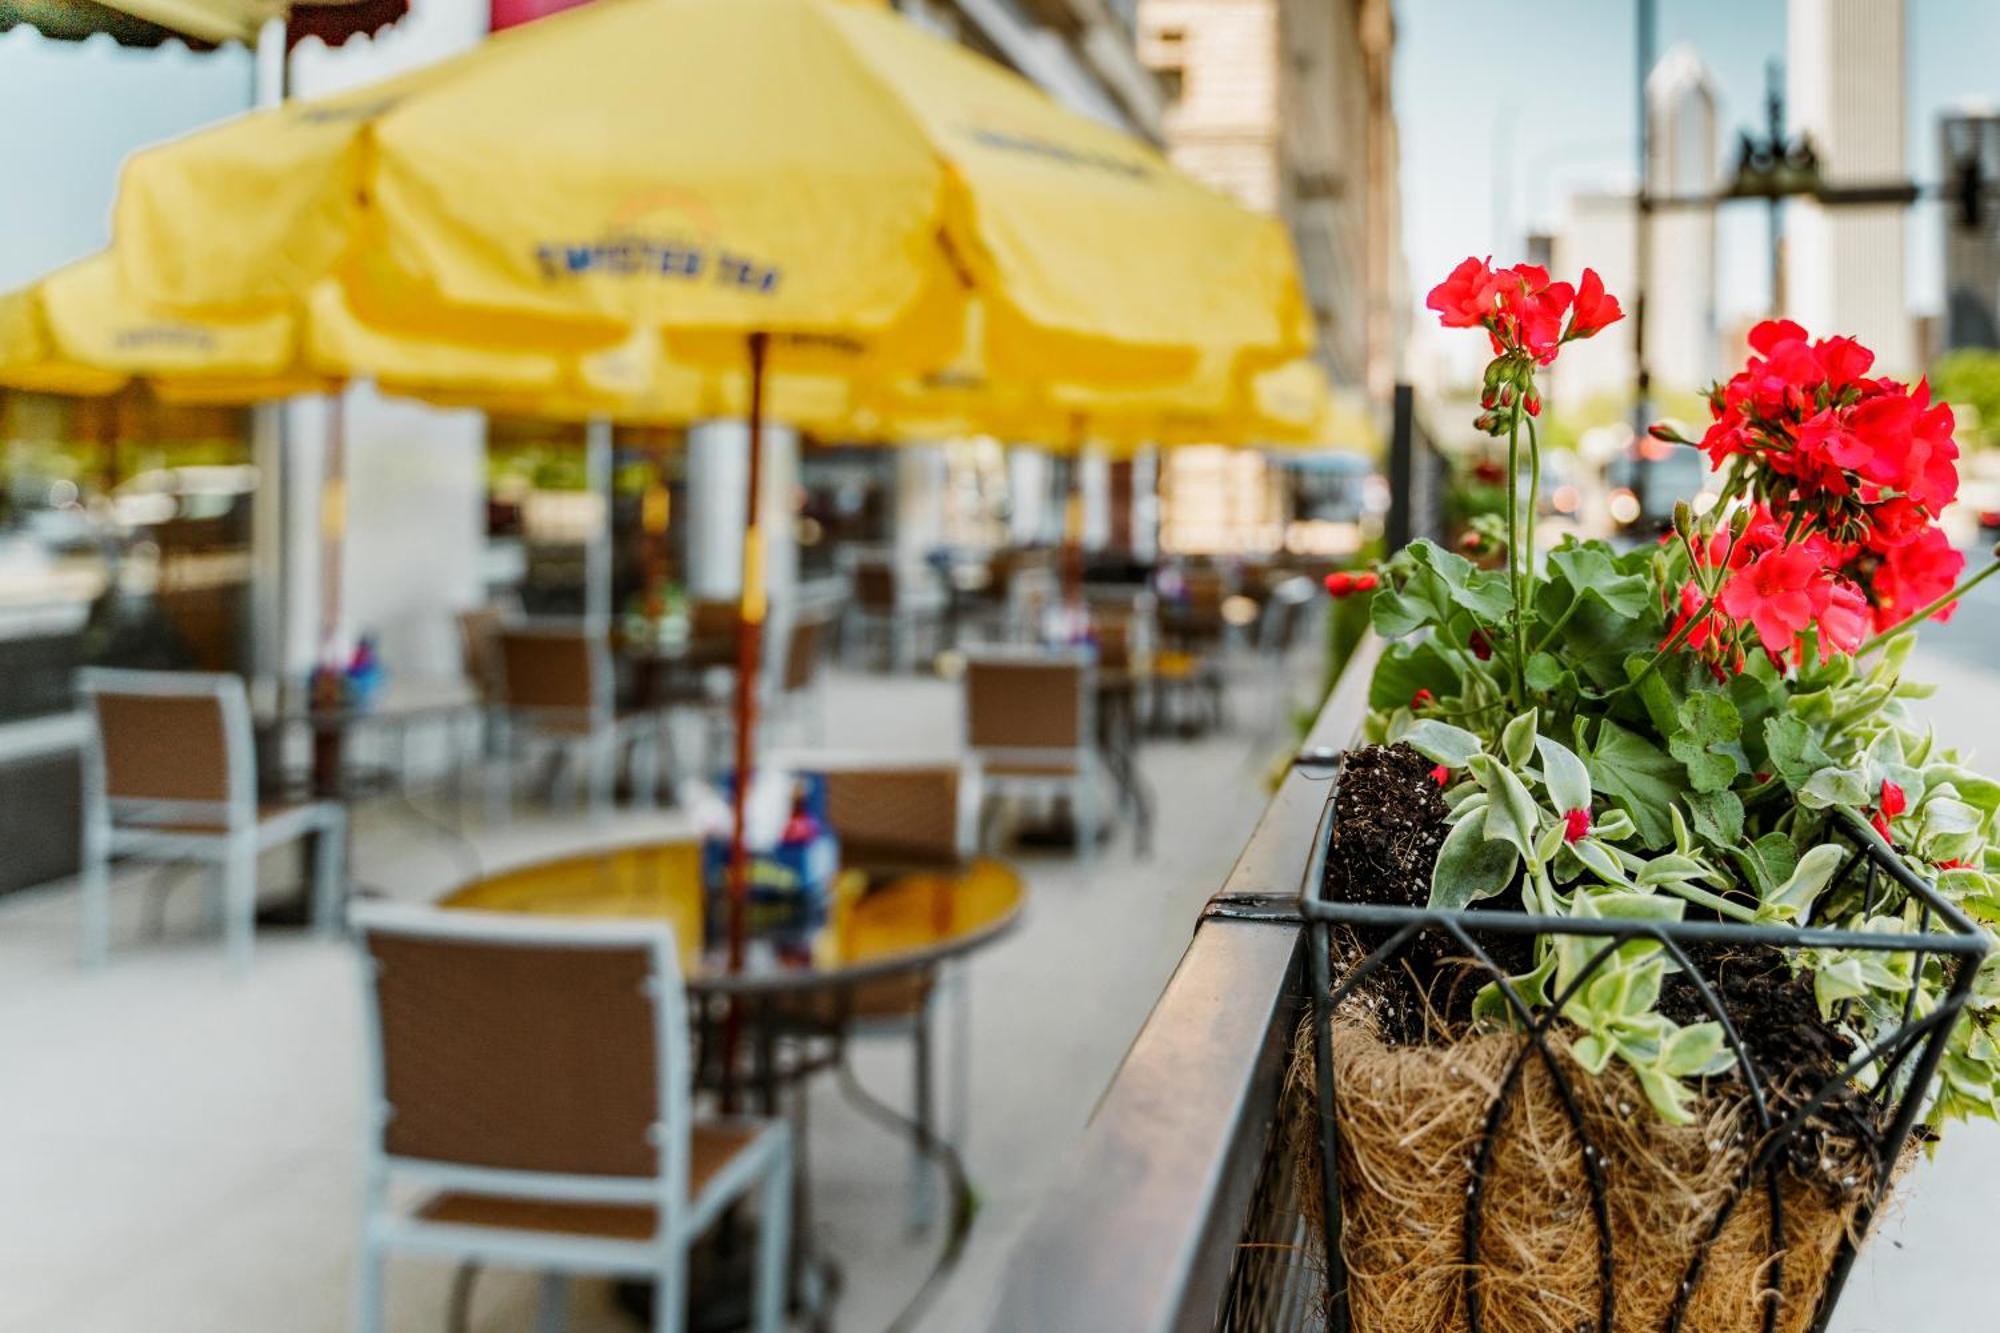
749,644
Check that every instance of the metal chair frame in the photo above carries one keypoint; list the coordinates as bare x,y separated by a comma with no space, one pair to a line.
764,1163
1076,767
228,834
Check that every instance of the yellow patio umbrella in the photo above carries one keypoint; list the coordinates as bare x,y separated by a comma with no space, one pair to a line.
821,172
802,184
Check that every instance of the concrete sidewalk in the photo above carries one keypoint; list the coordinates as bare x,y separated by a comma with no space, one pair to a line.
182,1144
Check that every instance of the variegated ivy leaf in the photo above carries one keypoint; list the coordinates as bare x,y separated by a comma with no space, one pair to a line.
1517,740
1471,866
1793,899
1613,824
1442,743
1695,1050
1511,814
1563,774
1950,828
1835,786
1683,840
1599,861
1673,868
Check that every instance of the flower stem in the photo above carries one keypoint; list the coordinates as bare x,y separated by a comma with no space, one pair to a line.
1715,903
1906,625
1680,637
1516,569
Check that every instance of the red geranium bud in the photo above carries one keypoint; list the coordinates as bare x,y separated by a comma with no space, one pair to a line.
1470,542
1366,581
1879,824
1506,395
1488,399
1954,864
1340,583
1664,433
1441,775
1421,700
1760,776
1576,824
1894,802
1534,404
1482,647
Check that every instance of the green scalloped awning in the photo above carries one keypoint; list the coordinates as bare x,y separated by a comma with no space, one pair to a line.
199,23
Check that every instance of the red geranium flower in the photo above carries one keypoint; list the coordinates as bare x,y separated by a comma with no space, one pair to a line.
1366,581
1466,298
1775,595
1421,700
1340,583
1893,801
1912,574
1594,309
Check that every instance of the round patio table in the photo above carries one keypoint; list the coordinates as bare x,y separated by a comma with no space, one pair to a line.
882,929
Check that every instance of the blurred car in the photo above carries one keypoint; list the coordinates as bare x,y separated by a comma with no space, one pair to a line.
1649,478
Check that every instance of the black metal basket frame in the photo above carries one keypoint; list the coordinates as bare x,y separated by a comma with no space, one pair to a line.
1907,1058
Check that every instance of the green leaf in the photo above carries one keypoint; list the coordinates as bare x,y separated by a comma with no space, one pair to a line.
1443,743
1708,723
1718,817
1517,740
1794,749
1636,777
1567,780
1589,571
1470,867
1548,675
1483,592
1405,668
1770,860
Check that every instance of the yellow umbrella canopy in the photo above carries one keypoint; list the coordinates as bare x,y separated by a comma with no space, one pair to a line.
821,172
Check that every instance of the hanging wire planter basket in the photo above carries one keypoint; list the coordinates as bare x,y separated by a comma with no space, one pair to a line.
1790,1250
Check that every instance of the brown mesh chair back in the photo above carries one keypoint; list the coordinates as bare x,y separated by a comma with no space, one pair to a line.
479,650
161,746
804,652
714,621
550,669
875,586
895,816
527,1054
1017,703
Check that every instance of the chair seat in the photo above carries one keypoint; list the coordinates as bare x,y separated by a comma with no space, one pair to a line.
1040,768
713,1146
269,814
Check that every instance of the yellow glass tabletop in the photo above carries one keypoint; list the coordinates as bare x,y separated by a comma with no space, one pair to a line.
874,924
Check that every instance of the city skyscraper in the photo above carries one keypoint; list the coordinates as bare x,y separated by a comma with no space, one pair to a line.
1969,161
1845,90
1680,291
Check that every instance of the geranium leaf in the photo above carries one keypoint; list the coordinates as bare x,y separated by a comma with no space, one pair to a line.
1708,725
1718,816
1589,571
1636,777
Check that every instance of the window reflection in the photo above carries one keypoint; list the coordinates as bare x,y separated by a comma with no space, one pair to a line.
125,540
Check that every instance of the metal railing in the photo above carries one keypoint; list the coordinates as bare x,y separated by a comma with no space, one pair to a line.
1178,1211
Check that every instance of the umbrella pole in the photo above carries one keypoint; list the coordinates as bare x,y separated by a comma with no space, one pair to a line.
749,643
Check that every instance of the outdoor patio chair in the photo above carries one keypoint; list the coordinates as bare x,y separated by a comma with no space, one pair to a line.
532,1077
1030,722
891,609
170,774
558,693
892,818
